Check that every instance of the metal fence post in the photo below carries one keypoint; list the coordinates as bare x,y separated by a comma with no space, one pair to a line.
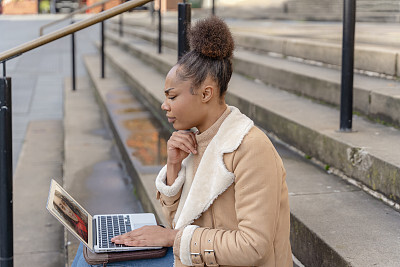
102,48
346,98
6,169
159,28
73,60
213,7
184,20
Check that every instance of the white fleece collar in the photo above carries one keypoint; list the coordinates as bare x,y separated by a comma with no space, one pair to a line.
212,177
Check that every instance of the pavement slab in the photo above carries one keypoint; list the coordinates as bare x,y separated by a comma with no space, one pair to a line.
38,237
94,172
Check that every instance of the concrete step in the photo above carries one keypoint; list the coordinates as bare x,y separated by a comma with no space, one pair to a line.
131,124
369,155
369,57
94,172
374,97
333,223
38,236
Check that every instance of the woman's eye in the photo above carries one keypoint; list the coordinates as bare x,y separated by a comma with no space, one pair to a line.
172,97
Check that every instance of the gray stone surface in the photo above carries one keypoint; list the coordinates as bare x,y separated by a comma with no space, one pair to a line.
349,227
308,40
373,97
38,75
366,155
38,236
94,172
37,91
115,96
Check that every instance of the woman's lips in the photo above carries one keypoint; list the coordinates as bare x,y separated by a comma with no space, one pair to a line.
171,119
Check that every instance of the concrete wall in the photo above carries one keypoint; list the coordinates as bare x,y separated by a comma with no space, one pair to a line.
19,7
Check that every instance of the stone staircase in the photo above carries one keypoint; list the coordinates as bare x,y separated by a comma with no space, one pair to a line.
294,95
311,10
367,10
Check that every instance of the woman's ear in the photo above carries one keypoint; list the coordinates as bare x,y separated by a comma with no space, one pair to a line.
207,93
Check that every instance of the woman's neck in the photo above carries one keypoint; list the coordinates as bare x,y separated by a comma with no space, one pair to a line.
212,116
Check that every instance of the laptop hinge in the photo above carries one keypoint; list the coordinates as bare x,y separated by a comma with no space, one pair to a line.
94,231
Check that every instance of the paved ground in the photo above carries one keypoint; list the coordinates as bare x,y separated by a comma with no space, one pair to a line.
38,76
38,237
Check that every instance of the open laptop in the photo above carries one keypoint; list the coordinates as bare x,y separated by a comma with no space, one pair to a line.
95,232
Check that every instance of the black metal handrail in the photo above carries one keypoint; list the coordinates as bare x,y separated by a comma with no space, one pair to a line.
346,97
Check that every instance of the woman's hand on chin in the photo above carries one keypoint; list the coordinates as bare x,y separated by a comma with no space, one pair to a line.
180,145
147,236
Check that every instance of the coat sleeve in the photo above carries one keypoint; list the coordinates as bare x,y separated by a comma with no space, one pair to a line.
259,178
169,196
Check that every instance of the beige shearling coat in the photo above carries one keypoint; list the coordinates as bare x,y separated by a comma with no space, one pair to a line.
236,210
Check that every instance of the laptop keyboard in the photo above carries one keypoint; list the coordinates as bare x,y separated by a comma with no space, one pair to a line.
110,226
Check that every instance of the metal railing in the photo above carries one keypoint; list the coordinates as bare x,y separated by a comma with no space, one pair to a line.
70,29
72,14
184,20
6,172
346,96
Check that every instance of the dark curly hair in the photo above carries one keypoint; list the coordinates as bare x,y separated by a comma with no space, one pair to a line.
211,51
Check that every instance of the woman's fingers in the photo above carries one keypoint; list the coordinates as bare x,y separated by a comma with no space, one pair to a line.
185,141
193,137
182,146
147,236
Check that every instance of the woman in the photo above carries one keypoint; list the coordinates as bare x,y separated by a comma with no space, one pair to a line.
223,188
71,214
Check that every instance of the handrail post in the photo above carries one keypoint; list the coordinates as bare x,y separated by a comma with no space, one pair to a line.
159,28
121,33
102,48
73,59
6,169
346,99
213,7
184,20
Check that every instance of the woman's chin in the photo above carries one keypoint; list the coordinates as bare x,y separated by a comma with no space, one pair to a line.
180,127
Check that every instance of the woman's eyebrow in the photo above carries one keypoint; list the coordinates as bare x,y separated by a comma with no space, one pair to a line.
167,91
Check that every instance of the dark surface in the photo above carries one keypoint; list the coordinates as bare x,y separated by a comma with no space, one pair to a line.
6,174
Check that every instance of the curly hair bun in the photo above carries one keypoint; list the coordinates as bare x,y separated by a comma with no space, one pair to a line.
212,38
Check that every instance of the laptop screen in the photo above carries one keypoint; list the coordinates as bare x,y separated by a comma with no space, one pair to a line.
72,215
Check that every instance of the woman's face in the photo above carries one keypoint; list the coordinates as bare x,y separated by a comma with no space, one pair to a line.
183,109
65,208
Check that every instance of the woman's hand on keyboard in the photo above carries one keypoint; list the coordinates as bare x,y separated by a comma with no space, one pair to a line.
147,236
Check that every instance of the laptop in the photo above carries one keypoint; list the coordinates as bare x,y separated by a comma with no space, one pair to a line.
95,232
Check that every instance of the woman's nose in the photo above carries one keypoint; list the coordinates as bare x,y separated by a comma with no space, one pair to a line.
164,106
